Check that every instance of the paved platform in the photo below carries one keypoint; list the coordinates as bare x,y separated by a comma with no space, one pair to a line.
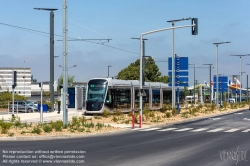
47,116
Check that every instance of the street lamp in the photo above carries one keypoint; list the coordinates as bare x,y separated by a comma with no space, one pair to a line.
108,70
68,67
247,84
217,81
143,56
51,83
210,81
240,71
194,82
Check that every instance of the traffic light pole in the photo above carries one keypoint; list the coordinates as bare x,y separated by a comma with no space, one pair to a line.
141,56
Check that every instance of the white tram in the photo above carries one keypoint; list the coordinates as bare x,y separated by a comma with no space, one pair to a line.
123,95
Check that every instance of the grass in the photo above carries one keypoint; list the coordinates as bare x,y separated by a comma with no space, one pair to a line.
81,124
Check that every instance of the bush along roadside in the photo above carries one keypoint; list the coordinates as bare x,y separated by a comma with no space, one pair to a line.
78,125
167,114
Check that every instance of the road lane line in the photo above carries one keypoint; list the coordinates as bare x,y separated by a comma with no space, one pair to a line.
215,130
149,129
247,130
232,130
185,129
201,129
168,129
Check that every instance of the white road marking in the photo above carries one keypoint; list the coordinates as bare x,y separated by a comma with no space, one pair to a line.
215,130
232,130
168,129
201,129
149,129
239,113
246,119
215,118
185,129
247,130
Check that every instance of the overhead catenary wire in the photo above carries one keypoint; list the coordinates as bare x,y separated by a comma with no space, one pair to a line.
37,32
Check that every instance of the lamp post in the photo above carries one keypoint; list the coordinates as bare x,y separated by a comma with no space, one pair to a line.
247,84
51,83
143,56
240,71
210,81
108,70
194,82
217,81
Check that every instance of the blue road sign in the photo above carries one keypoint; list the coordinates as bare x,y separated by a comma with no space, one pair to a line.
181,63
182,84
221,85
179,73
180,79
221,79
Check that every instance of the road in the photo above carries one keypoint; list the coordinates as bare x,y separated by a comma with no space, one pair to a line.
222,140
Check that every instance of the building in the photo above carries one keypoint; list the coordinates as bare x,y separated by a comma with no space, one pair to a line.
24,79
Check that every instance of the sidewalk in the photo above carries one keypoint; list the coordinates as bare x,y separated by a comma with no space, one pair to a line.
54,116
47,116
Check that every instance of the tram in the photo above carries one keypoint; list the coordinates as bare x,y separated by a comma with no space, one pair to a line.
123,95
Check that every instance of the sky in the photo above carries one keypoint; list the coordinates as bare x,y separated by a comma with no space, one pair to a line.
120,20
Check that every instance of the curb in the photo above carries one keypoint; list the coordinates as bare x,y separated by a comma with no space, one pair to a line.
198,118
66,136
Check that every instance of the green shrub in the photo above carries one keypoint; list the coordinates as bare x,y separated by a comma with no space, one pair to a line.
81,130
199,107
224,105
47,128
99,125
97,117
174,111
83,120
11,134
36,130
212,107
151,114
168,114
57,125
89,125
118,113
127,121
184,114
5,126
115,119
105,113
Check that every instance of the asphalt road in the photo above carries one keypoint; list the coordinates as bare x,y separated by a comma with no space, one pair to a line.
222,140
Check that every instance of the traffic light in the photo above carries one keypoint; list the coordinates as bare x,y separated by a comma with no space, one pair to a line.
194,28
13,79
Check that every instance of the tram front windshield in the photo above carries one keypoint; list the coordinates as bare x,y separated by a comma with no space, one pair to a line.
96,90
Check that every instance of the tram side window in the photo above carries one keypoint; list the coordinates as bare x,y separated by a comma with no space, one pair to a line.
167,97
156,96
108,97
122,95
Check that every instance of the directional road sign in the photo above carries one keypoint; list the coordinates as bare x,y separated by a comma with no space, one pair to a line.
179,79
181,63
180,73
182,84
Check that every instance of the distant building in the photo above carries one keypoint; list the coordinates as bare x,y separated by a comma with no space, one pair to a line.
24,79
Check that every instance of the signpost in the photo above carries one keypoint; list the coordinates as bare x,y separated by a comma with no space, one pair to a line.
222,85
180,74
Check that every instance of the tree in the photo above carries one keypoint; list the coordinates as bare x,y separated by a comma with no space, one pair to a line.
152,73
70,79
